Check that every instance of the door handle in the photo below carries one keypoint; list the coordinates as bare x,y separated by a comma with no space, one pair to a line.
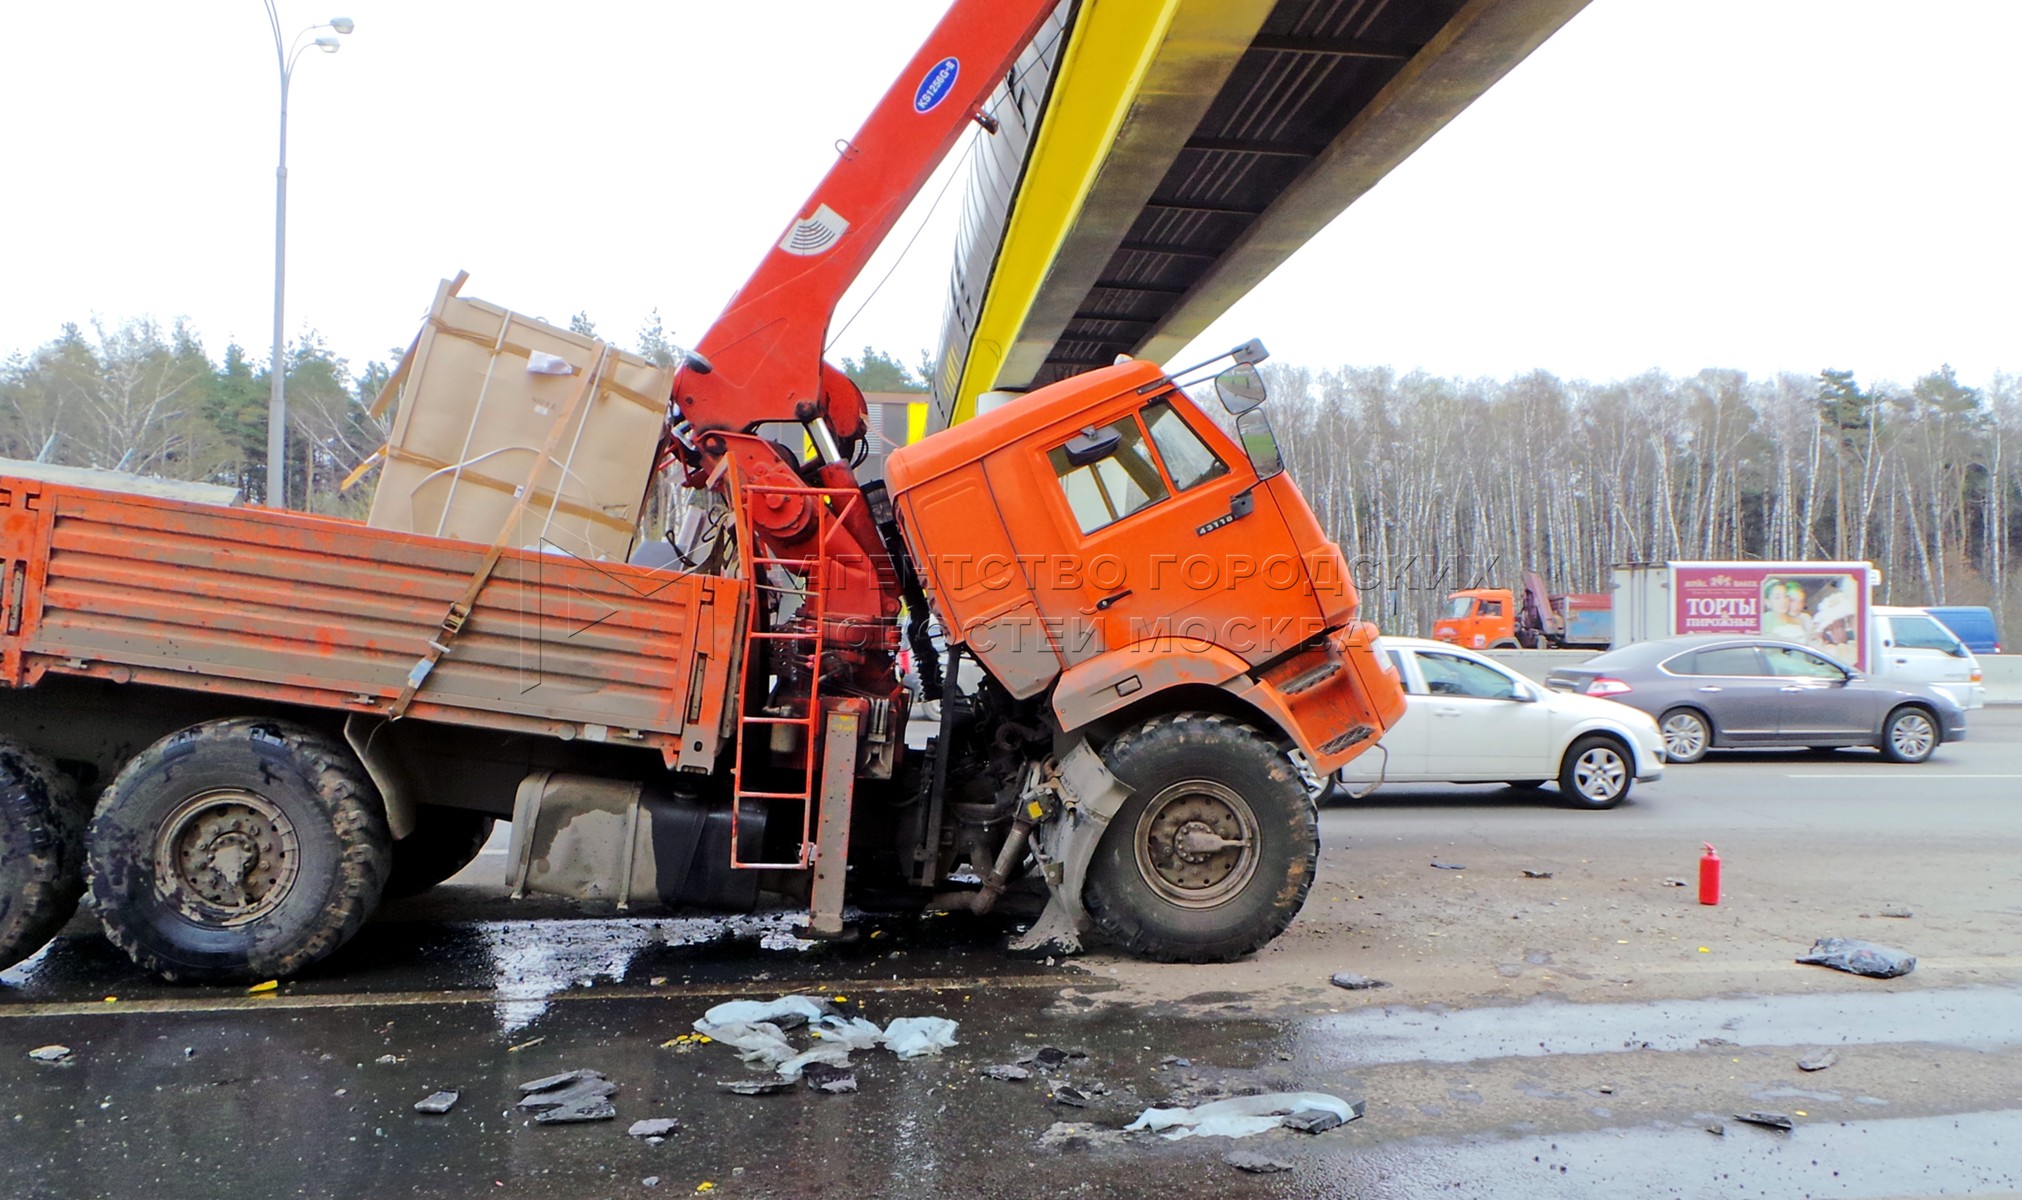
1445,712
1710,688
1793,687
1104,604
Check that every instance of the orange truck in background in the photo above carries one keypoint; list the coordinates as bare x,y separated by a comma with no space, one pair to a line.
1498,619
244,727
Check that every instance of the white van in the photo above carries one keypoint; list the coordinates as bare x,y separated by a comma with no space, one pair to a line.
1911,646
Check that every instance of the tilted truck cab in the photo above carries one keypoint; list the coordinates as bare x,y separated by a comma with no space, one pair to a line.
1114,544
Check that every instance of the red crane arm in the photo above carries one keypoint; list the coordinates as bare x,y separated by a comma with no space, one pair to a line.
765,349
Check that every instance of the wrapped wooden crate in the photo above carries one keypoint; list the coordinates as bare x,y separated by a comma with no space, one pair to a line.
493,404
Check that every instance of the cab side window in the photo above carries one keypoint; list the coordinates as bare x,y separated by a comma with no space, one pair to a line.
1106,491
1801,663
1922,633
1491,608
1187,458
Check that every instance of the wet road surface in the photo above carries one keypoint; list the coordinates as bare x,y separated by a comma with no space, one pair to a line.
1571,1037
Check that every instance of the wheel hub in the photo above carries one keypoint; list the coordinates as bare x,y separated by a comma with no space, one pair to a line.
1197,844
226,857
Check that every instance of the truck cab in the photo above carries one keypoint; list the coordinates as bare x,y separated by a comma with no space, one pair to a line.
1479,619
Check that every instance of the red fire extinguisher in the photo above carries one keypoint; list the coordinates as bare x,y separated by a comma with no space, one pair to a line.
1709,875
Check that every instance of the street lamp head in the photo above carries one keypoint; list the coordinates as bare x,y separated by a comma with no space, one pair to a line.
343,24
328,45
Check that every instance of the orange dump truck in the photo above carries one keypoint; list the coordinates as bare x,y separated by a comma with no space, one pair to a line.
242,727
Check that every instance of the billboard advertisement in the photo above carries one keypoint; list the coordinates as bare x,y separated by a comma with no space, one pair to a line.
1813,604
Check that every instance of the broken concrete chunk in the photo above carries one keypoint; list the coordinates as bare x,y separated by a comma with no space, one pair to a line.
828,1080
1080,1135
437,1103
756,1087
1071,1096
570,1097
1053,1057
1857,957
1770,1120
654,1127
1898,912
1313,1120
1354,982
1819,1061
589,1109
1255,1164
1010,1072
50,1054
1717,1129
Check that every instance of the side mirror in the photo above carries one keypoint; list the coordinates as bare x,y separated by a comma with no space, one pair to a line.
1260,442
1091,446
1241,388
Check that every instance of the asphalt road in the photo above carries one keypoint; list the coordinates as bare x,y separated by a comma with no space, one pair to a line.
1570,1035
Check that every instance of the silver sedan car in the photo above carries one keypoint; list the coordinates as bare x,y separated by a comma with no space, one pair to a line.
1710,691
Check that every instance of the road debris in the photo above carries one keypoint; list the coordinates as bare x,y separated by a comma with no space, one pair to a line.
1443,866
1768,1120
1068,1094
50,1054
570,1097
760,1086
1354,982
1255,1164
654,1127
1819,1061
1857,957
914,1037
1676,883
1241,1116
757,1030
1053,1057
1717,1129
387,1060
1009,1072
1896,911
529,1044
1530,874
1080,1135
1314,1120
437,1103
828,1080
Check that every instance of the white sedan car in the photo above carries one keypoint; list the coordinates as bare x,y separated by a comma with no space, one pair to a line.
1468,719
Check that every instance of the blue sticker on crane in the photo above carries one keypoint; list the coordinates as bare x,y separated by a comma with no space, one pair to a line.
939,81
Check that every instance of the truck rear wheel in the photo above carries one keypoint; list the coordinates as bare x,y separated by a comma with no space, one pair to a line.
1214,852
444,841
237,850
41,852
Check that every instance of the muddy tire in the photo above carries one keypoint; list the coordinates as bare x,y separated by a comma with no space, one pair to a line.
1253,842
41,852
237,850
444,841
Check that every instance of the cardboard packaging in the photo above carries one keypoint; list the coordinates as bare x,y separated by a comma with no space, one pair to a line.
494,404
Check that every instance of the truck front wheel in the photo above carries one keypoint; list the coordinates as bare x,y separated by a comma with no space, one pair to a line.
1214,852
41,852
237,850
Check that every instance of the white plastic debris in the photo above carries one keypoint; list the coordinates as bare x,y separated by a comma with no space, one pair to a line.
1240,1116
540,362
912,1037
785,1012
834,1054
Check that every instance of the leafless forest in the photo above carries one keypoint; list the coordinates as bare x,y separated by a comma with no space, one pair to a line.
1434,483
1429,482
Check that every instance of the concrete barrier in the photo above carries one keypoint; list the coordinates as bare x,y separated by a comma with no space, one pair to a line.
2001,672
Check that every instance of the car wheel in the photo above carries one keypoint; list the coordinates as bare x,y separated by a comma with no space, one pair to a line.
1319,788
1686,735
1597,773
1911,735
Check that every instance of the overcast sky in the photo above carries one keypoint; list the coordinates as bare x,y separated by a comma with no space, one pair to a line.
1769,185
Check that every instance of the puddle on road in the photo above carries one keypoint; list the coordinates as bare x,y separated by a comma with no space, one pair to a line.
1970,1017
1908,1156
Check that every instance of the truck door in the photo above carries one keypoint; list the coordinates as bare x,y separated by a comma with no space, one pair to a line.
1169,538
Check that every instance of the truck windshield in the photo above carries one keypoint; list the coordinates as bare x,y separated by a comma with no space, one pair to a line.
1458,606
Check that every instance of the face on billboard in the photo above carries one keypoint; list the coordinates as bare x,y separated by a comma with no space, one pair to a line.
1816,609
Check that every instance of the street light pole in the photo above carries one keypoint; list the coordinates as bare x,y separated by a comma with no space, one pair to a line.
285,56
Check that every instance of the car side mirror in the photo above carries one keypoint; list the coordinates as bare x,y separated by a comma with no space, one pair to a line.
1091,446
1524,693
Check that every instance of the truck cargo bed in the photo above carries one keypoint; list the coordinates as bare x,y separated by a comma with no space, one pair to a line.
332,614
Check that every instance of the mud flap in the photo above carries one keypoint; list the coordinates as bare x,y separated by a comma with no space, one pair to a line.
1087,797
